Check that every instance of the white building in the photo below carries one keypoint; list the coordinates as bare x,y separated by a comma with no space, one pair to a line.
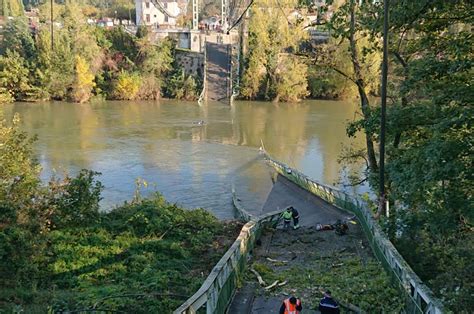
152,12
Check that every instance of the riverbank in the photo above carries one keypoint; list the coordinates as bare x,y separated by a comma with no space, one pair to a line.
146,256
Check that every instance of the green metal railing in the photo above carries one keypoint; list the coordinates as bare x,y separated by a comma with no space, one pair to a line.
218,289
418,297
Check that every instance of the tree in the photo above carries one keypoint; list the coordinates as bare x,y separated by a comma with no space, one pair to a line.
18,37
272,32
56,66
12,8
429,123
14,75
154,61
122,9
181,86
21,223
361,42
76,200
291,81
84,82
18,170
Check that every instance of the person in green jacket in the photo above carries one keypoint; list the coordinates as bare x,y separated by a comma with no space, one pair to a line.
289,214
286,215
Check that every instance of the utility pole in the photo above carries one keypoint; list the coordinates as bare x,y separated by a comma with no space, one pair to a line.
382,196
52,26
195,14
224,12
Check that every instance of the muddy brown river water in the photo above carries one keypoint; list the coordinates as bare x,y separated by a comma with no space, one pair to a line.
191,154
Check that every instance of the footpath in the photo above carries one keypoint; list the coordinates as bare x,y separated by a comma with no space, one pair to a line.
305,261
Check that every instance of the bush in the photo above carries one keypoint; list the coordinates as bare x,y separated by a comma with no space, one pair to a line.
181,86
126,86
76,200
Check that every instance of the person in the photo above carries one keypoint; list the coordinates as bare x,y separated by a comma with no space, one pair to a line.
291,306
328,305
296,217
287,215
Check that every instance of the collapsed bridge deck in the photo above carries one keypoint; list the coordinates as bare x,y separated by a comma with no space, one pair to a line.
305,260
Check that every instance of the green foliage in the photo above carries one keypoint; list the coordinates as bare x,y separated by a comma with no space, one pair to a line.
271,73
155,59
58,252
55,67
18,170
362,283
122,9
154,62
181,86
21,218
325,83
140,257
291,82
429,132
122,42
126,86
17,37
430,152
76,200
5,95
14,74
85,61
12,8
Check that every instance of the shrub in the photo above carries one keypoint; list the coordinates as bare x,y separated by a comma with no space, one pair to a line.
126,86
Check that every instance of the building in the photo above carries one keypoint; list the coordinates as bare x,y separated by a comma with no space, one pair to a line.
159,13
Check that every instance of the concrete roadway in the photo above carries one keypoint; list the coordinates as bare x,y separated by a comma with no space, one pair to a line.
312,210
217,76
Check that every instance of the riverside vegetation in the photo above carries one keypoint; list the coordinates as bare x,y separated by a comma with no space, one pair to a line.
429,144
58,252
87,62
429,150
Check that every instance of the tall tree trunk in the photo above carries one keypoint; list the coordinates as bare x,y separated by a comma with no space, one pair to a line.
364,100
404,99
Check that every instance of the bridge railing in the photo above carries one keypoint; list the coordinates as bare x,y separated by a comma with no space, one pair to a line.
218,289
418,297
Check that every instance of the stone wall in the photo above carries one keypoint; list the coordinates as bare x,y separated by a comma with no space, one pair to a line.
191,62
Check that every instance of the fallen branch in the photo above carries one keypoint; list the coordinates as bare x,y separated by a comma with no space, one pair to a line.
272,285
259,278
337,265
282,283
275,260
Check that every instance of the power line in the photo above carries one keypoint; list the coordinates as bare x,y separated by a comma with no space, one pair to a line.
241,16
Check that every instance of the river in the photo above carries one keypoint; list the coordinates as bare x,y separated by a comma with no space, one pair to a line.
190,163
